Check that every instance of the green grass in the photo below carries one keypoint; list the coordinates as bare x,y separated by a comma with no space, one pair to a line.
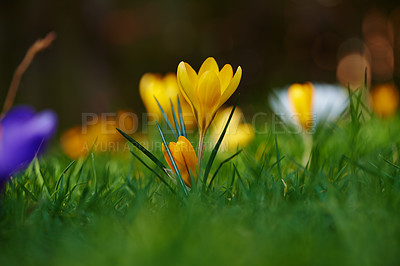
264,208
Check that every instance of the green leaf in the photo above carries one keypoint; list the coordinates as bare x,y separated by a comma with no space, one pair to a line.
142,149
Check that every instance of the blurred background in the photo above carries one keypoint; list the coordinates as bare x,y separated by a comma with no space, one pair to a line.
104,47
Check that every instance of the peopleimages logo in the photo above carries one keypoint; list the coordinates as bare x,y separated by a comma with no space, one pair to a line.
105,124
130,123
126,121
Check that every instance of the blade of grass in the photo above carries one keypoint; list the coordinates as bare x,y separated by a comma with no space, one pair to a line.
221,164
389,162
41,180
278,157
166,118
244,188
27,191
182,123
142,149
94,173
154,172
63,173
232,181
178,130
233,178
278,161
60,181
179,177
79,172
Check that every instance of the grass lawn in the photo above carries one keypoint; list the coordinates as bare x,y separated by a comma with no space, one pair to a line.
263,208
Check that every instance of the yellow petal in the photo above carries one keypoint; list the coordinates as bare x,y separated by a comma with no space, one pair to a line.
187,82
170,86
209,65
209,91
225,77
151,86
301,98
179,161
184,156
240,138
237,134
222,117
148,86
177,154
187,114
231,87
146,82
245,134
188,153
186,178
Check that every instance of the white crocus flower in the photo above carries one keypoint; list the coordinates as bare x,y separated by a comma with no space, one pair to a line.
306,105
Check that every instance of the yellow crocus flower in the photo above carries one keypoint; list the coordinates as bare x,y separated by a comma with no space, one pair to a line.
73,143
237,134
208,89
184,156
385,99
164,88
301,97
101,136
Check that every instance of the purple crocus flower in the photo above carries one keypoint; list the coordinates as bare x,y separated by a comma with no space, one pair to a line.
23,135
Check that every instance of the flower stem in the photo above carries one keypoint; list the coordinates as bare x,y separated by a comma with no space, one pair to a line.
200,151
308,144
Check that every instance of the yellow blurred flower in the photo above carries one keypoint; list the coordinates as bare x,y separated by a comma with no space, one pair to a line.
237,134
385,99
164,89
73,143
301,97
184,156
101,136
208,89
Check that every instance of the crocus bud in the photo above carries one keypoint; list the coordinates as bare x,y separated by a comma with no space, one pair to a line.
184,156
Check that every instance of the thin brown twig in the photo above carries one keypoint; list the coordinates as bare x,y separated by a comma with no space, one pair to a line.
39,45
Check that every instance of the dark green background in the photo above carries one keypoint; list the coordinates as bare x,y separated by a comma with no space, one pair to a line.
103,46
